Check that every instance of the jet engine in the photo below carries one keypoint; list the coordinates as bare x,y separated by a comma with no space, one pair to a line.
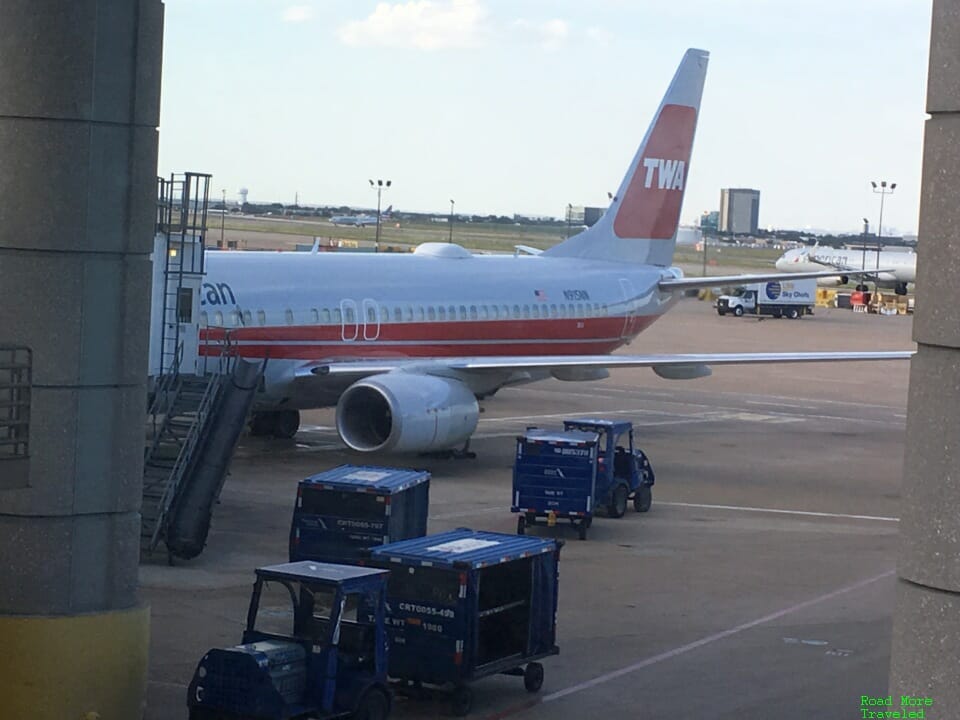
833,281
406,413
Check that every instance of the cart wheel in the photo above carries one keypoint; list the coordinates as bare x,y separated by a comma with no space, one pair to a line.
521,525
642,498
533,677
461,702
582,530
618,505
375,705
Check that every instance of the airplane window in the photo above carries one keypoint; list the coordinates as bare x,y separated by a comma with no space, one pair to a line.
505,311
452,312
431,313
289,315
441,313
516,311
409,313
563,311
326,316
348,314
596,310
463,312
473,312
234,318
336,316
534,311
587,310
261,317
603,310
571,310
483,312
203,319
420,314
495,312
315,316
553,311
218,319
371,314
247,317
384,314
397,314
579,309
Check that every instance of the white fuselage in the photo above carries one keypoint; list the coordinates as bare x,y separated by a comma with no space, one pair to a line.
297,308
902,265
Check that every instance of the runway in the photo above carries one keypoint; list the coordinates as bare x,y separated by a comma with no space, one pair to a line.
759,585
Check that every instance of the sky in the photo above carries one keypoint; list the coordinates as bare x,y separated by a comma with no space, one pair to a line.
528,105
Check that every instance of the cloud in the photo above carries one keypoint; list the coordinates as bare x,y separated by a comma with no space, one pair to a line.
549,34
297,13
599,35
419,24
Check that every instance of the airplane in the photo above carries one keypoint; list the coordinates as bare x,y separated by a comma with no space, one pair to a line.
896,267
406,345
361,220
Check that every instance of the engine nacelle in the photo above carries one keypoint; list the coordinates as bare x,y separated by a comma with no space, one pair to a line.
833,281
406,413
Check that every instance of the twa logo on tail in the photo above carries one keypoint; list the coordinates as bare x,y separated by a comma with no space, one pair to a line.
669,173
651,204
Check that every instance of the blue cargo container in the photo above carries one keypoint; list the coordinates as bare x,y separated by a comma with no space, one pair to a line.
464,604
342,512
555,477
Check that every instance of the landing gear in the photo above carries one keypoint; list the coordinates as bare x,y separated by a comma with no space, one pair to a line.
280,424
900,288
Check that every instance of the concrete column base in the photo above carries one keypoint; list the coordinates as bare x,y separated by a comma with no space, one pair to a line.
926,633
83,667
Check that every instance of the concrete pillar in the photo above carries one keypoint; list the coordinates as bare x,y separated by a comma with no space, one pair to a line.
79,109
926,628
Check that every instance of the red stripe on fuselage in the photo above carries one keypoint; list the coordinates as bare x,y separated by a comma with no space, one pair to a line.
584,336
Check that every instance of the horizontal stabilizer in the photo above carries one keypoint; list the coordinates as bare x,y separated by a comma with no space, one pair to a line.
677,284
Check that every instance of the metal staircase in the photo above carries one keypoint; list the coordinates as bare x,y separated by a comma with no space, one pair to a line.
183,410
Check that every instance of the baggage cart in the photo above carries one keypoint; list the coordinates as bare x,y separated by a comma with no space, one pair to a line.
342,512
463,605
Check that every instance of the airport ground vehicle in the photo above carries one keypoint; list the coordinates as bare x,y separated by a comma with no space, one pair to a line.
464,605
341,512
314,647
787,298
568,474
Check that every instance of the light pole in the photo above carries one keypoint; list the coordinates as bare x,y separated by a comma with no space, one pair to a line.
862,283
569,217
450,239
704,238
223,216
883,191
379,185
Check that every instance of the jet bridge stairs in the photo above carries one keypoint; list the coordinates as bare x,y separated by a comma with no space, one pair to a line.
194,424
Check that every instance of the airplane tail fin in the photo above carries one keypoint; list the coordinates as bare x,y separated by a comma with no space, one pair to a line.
640,226
386,213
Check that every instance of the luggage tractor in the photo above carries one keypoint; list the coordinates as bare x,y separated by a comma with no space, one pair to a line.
623,471
311,649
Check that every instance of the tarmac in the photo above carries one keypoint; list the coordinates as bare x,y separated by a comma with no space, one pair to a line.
759,585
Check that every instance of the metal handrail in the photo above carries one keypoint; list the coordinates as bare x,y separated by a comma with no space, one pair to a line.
184,456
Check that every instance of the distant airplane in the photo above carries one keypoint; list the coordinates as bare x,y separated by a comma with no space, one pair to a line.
406,344
361,220
898,267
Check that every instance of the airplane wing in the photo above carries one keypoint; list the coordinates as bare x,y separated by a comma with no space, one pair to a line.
676,284
676,366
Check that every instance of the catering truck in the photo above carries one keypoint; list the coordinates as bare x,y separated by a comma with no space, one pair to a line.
780,298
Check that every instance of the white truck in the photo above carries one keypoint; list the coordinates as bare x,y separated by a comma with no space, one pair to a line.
789,298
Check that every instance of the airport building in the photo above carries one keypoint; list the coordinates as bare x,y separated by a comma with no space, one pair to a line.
739,210
710,220
584,215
